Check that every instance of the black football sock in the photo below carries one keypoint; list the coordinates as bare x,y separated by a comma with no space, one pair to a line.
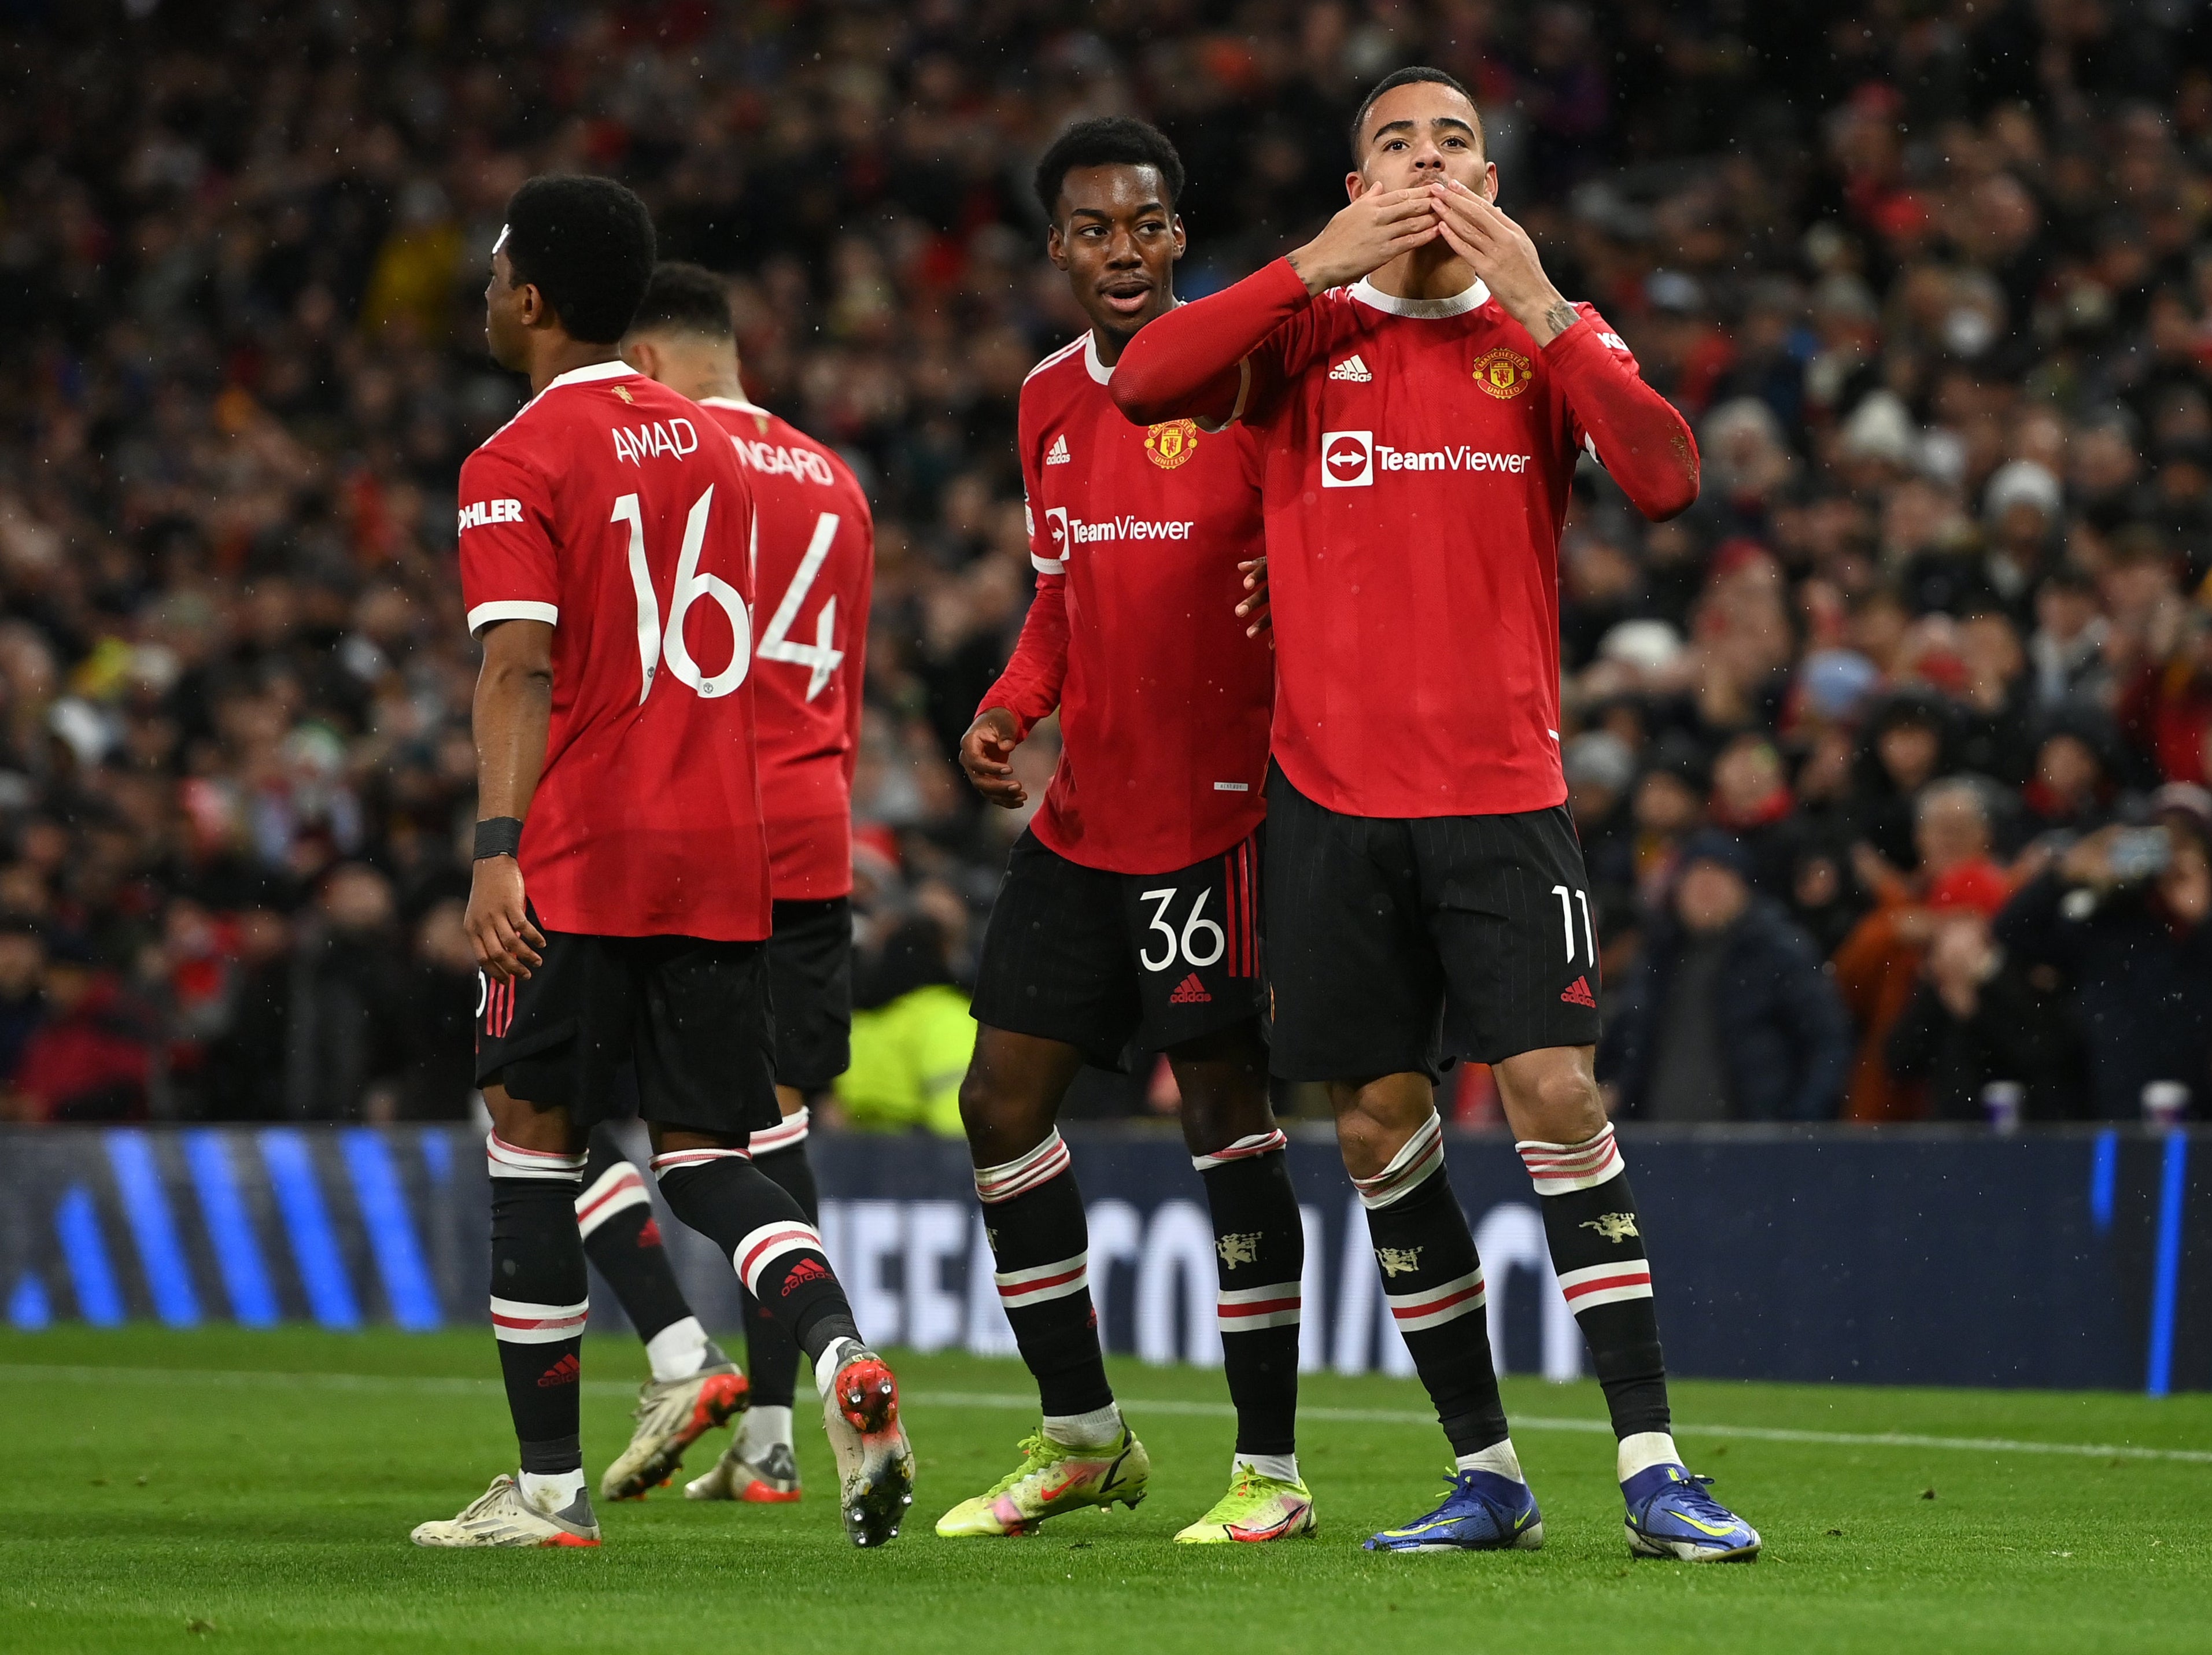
780,1153
1432,1281
1040,1242
1590,1220
538,1299
1260,1255
777,1254
623,1239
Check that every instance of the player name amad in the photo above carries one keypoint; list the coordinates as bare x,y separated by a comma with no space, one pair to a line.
1074,531
634,443
1349,459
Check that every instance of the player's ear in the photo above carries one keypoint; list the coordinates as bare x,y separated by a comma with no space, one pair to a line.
1355,186
1490,181
639,353
1174,229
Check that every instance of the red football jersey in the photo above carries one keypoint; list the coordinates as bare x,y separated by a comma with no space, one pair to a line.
1418,455
814,568
610,508
1164,703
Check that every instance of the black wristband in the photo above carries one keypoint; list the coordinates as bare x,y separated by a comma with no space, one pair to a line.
498,836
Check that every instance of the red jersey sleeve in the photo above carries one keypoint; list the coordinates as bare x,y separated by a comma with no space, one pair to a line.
1205,360
509,571
1624,424
1030,687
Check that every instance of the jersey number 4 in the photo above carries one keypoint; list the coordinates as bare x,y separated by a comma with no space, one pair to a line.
655,644
821,658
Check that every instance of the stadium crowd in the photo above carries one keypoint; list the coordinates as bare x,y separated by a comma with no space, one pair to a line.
1889,756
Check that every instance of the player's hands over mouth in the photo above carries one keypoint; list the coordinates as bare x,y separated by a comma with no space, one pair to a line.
1365,236
987,753
507,944
1254,609
1504,257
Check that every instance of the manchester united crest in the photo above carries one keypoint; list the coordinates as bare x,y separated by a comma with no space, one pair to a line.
1504,373
1171,444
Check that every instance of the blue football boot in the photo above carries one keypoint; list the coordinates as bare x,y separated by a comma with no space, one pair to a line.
1671,1515
1484,1512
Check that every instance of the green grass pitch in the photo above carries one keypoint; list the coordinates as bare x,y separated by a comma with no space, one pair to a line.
225,1489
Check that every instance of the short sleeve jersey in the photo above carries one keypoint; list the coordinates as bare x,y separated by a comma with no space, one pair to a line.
813,570
1417,457
611,510
1165,704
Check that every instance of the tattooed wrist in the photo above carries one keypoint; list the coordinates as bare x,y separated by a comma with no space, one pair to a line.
1559,316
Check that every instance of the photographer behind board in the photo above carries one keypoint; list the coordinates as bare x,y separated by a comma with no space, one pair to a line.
2120,919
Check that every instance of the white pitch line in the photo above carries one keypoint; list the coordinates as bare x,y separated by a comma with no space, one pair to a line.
451,1385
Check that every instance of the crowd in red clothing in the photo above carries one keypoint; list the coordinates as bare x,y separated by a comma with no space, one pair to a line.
1934,287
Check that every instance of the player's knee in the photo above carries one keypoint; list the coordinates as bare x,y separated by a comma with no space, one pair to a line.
993,1114
1560,1100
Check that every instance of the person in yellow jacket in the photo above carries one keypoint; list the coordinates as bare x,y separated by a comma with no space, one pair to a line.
911,1040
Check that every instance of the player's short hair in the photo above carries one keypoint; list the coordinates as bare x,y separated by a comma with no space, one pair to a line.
1108,141
587,245
684,298
1411,75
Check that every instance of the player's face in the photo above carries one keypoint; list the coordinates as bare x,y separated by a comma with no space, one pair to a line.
1118,240
506,327
1417,133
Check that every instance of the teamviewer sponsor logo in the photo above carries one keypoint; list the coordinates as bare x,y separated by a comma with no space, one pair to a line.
1347,459
1076,532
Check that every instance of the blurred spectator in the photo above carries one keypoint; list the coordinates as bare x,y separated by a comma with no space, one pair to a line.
1976,1020
89,1057
347,1035
22,1002
2120,923
1730,1017
439,1038
1878,966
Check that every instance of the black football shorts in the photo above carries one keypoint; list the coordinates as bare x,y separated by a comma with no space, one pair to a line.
695,1016
1118,964
1395,943
809,973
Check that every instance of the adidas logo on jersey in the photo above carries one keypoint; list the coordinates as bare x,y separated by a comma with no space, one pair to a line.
1058,455
1350,369
1190,992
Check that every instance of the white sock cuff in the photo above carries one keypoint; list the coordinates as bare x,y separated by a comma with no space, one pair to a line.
1257,1143
1498,1459
620,1187
766,1425
677,1160
1284,1468
508,1161
519,1322
1100,1425
1024,1173
1562,1169
1423,1154
1642,1450
785,1134
677,1351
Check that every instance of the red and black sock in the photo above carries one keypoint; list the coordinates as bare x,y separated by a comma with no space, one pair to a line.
623,1239
779,1151
538,1299
1259,1251
1040,1242
1590,1220
776,1251
1432,1281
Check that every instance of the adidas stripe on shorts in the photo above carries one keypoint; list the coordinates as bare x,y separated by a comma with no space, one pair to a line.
1394,943
1116,965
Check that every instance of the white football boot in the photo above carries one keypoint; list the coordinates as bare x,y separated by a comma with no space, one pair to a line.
672,1416
502,1515
875,1462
